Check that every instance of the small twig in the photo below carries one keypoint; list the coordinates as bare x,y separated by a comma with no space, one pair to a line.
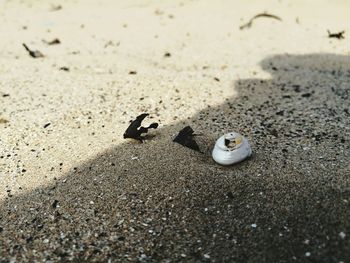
250,22
33,53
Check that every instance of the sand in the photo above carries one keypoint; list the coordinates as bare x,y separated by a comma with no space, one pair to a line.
72,189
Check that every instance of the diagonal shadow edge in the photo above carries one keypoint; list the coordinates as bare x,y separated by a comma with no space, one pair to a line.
163,203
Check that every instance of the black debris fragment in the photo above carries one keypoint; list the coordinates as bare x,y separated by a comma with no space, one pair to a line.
135,130
5,95
216,79
47,125
306,95
54,204
250,22
230,195
339,35
55,41
132,72
296,88
33,53
167,54
280,113
186,138
64,68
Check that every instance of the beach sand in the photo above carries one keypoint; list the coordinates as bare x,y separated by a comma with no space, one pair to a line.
72,189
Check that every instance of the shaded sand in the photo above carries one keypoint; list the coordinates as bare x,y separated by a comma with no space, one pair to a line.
76,191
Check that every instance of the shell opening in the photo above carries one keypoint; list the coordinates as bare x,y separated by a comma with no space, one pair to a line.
233,142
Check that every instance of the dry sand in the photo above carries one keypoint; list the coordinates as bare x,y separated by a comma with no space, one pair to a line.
76,191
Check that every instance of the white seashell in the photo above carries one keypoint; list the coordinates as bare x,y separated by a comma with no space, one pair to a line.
231,148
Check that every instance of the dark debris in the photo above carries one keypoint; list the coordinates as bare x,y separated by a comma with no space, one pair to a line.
33,53
64,69
54,204
55,41
250,22
339,35
56,7
186,138
135,130
2,120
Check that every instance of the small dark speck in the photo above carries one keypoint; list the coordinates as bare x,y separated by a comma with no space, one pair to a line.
229,195
6,95
167,54
132,72
24,170
61,164
306,95
54,204
55,41
3,120
64,69
274,68
47,125
296,88
217,79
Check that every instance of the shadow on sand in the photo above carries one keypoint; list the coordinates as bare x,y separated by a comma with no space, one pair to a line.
289,202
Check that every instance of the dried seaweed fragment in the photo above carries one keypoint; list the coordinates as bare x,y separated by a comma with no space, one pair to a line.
250,22
55,41
33,53
339,35
186,138
135,130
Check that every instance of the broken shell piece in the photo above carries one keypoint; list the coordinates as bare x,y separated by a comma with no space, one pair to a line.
231,148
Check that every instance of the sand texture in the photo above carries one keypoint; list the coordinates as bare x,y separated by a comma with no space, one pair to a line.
72,189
